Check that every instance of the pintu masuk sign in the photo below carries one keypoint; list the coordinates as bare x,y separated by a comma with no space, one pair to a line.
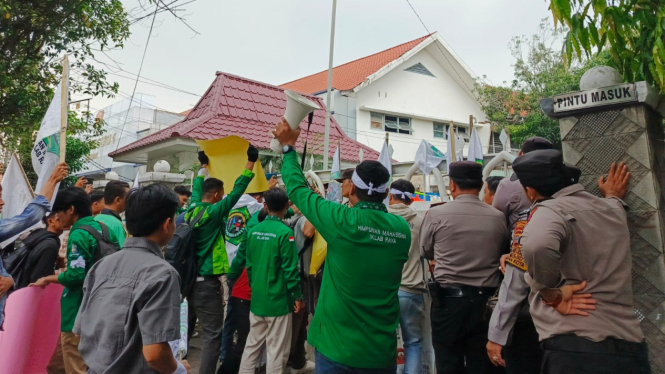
597,97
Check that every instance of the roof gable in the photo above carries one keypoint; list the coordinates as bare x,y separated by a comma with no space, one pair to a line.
234,105
351,74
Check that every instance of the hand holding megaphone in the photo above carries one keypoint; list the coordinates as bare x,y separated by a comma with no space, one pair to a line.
297,108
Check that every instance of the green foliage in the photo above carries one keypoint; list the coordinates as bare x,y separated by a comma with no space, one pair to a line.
634,30
540,72
34,36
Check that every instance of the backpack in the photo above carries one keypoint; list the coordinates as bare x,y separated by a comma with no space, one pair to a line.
15,257
181,253
105,246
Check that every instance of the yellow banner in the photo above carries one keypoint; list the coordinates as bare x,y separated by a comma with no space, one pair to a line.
228,157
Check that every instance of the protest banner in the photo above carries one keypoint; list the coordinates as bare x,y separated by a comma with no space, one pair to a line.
32,329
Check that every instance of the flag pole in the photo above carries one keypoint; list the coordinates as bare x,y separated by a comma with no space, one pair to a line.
452,141
64,106
326,138
25,177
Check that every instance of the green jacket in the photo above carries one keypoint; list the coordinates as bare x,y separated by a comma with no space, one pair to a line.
239,261
272,268
209,231
116,228
81,247
358,310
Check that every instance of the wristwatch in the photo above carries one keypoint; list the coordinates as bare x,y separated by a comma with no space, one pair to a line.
554,303
287,148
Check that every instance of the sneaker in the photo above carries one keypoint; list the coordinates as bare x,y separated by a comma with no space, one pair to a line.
309,366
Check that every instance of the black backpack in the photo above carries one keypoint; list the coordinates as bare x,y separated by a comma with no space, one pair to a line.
181,253
105,245
15,257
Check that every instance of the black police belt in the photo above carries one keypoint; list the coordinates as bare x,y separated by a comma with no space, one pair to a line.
463,291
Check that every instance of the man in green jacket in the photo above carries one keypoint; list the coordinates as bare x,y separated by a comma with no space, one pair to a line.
272,270
72,208
115,194
206,297
358,310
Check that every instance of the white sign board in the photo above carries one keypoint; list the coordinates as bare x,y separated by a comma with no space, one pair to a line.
503,137
622,93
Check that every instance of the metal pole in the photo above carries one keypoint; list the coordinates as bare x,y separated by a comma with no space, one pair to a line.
64,106
326,140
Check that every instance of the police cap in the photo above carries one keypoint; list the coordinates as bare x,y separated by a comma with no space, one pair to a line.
539,168
536,143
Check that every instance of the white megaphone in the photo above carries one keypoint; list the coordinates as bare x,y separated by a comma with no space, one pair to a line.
297,108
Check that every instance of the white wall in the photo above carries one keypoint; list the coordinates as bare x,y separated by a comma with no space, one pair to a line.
421,97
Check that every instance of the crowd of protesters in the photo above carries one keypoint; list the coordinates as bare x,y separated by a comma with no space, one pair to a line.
535,277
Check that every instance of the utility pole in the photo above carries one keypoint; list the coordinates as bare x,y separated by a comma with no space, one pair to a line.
326,140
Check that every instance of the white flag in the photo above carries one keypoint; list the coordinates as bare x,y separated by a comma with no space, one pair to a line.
384,159
136,181
46,151
475,148
16,192
428,157
459,147
335,171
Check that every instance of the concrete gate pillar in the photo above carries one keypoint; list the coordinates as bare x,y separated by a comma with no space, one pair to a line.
614,122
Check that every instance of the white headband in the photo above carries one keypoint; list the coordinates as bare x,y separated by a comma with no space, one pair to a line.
405,194
370,189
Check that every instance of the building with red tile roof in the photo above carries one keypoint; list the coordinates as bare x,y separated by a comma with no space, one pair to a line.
239,106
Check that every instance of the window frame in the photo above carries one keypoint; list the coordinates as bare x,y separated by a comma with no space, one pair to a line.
398,129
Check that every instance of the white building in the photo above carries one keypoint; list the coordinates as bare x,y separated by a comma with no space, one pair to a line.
412,91
125,124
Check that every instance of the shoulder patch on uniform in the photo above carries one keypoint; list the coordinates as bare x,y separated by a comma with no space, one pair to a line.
291,238
79,262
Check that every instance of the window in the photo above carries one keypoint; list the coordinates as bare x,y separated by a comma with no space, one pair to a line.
401,125
440,130
420,69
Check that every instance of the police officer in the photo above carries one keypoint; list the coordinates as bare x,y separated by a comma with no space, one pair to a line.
513,338
509,197
576,242
358,309
465,238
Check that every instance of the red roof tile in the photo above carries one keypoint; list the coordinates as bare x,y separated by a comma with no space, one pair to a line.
234,105
351,74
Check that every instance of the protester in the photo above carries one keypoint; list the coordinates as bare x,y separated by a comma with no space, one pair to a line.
509,197
358,312
236,323
206,297
491,184
115,194
34,212
272,270
465,237
303,232
345,181
577,251
413,278
72,208
512,336
137,292
183,198
43,246
97,198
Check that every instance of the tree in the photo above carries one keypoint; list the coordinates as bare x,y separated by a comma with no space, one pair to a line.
34,35
540,72
634,29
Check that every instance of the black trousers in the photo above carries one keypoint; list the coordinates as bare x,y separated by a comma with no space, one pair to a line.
568,354
459,334
237,320
523,354
297,358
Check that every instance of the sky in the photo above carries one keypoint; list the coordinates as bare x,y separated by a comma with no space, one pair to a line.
276,41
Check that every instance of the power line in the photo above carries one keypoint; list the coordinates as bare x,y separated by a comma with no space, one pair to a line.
139,74
442,53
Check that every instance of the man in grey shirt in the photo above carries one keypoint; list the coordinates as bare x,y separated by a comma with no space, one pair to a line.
576,247
131,299
509,197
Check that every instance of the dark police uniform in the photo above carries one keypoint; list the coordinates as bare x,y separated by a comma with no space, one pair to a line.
577,237
466,238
